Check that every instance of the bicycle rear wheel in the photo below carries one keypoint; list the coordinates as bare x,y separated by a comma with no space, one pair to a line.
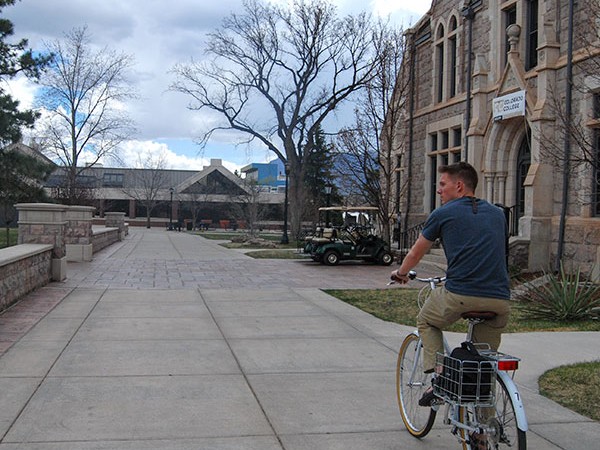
502,420
411,382
508,435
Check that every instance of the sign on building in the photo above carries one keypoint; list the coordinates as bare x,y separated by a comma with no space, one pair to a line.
510,105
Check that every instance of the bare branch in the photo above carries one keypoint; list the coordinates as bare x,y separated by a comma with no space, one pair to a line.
277,73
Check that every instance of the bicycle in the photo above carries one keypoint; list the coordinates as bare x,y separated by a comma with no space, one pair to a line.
491,418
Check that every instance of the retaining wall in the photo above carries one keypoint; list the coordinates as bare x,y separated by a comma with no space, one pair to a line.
49,235
23,268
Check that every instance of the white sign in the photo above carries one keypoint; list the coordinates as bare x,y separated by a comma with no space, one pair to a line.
510,105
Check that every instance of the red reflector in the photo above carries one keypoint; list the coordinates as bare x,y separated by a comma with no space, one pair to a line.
508,364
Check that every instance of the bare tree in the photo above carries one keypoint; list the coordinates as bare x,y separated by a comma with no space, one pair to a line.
195,202
370,151
83,94
586,77
277,73
248,205
150,181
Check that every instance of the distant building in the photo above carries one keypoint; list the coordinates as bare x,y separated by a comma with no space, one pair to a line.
504,118
206,195
270,176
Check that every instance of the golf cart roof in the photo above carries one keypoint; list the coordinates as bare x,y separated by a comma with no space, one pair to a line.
349,208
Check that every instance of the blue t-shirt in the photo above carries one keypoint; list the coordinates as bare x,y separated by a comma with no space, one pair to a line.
473,233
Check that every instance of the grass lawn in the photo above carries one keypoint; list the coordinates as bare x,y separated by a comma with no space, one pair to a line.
575,387
399,305
12,237
272,237
276,254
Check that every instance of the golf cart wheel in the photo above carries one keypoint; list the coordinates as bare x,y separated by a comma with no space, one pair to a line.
386,258
331,258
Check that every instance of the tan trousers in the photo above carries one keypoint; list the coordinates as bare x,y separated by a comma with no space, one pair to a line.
443,308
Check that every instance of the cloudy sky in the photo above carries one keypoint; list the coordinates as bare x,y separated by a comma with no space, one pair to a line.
159,34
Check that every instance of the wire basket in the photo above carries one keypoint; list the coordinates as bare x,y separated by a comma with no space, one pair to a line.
463,381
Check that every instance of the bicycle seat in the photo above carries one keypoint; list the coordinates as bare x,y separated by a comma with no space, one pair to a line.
481,315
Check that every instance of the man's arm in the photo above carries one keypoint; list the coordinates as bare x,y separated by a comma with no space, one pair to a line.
418,250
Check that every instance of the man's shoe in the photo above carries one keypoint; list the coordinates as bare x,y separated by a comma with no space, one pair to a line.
427,398
479,441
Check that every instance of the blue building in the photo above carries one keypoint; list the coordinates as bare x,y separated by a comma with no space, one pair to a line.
271,175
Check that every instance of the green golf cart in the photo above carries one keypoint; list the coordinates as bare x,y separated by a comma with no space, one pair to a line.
354,240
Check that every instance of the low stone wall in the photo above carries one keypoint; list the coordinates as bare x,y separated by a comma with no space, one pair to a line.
23,268
102,237
49,235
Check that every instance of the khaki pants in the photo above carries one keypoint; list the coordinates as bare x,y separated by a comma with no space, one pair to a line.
443,308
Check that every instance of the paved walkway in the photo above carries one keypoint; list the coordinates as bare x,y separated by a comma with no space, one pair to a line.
169,341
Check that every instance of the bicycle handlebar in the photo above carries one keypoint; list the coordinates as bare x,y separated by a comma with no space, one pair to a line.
433,281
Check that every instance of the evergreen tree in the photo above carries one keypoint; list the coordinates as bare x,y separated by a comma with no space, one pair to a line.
20,181
20,172
15,59
318,175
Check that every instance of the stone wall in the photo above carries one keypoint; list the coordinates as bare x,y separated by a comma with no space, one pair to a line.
103,237
78,233
23,268
49,235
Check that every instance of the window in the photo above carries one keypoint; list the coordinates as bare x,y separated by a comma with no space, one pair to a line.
453,50
531,58
440,70
445,139
596,106
439,55
457,137
442,152
112,180
434,142
433,183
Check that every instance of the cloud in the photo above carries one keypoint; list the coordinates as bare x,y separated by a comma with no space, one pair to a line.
134,151
158,34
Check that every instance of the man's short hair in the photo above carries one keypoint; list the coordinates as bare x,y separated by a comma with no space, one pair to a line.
464,172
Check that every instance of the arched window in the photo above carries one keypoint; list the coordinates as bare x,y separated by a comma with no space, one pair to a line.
440,61
453,57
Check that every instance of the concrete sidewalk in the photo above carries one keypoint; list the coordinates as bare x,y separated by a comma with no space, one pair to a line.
169,341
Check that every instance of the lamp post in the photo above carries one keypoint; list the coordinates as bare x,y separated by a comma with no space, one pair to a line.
327,203
171,190
284,239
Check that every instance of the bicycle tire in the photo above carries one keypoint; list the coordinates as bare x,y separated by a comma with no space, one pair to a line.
411,382
508,434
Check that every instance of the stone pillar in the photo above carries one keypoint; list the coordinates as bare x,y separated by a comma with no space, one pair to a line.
489,187
45,223
501,197
132,208
78,237
116,220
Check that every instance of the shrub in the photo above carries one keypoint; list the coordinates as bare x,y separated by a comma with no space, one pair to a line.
561,296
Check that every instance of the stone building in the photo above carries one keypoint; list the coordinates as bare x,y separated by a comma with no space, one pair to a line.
490,85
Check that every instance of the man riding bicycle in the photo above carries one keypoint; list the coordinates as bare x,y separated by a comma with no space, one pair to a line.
473,233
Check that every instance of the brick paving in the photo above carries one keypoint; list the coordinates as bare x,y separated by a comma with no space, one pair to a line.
159,259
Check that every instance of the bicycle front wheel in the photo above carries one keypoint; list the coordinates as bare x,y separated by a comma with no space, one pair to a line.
411,382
